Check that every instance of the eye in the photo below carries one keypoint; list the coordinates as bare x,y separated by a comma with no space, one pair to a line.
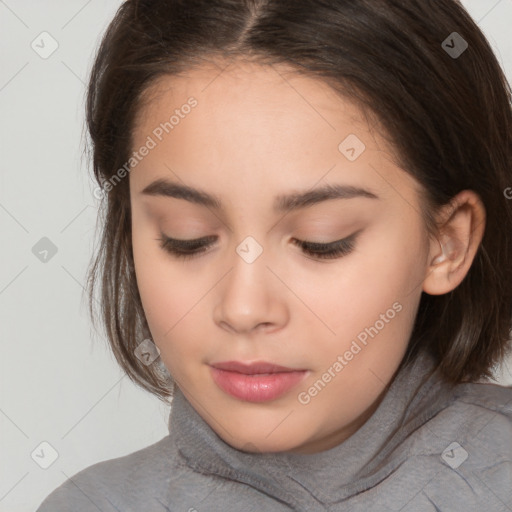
331,250
185,249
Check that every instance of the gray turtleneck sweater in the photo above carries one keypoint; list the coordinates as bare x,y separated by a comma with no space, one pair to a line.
428,447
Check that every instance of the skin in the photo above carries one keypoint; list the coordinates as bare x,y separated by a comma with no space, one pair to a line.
258,132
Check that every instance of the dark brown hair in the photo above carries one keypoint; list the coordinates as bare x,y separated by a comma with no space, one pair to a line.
448,117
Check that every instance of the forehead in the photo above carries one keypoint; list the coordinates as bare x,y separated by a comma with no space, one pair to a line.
268,82
256,126
260,99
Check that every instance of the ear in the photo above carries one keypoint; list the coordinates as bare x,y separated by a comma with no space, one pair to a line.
461,230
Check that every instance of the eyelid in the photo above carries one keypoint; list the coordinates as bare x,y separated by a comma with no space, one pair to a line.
318,251
211,238
333,243
204,240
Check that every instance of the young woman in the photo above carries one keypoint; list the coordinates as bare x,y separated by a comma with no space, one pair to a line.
306,245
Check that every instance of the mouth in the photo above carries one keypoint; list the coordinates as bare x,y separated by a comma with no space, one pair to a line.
255,382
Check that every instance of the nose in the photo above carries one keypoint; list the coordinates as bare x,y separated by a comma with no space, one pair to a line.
251,298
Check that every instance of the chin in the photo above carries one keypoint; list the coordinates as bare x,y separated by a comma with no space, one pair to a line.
253,444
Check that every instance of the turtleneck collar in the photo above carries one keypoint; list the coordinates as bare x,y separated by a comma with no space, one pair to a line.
329,476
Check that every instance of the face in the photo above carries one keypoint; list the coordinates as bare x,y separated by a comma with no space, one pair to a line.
260,285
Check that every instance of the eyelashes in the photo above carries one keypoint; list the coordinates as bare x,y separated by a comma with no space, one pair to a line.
186,249
331,250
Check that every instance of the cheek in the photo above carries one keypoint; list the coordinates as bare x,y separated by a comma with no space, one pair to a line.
171,299
166,294
370,297
157,283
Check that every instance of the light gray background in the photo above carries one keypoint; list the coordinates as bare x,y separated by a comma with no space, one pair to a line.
59,383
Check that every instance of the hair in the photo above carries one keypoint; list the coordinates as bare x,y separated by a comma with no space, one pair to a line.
448,118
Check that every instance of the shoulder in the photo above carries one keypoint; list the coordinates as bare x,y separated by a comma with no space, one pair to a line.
479,415
113,483
456,450
488,407
470,437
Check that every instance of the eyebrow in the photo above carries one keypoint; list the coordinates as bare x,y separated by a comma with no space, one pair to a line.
282,203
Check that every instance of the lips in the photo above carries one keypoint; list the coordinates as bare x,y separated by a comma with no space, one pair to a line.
252,368
255,382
